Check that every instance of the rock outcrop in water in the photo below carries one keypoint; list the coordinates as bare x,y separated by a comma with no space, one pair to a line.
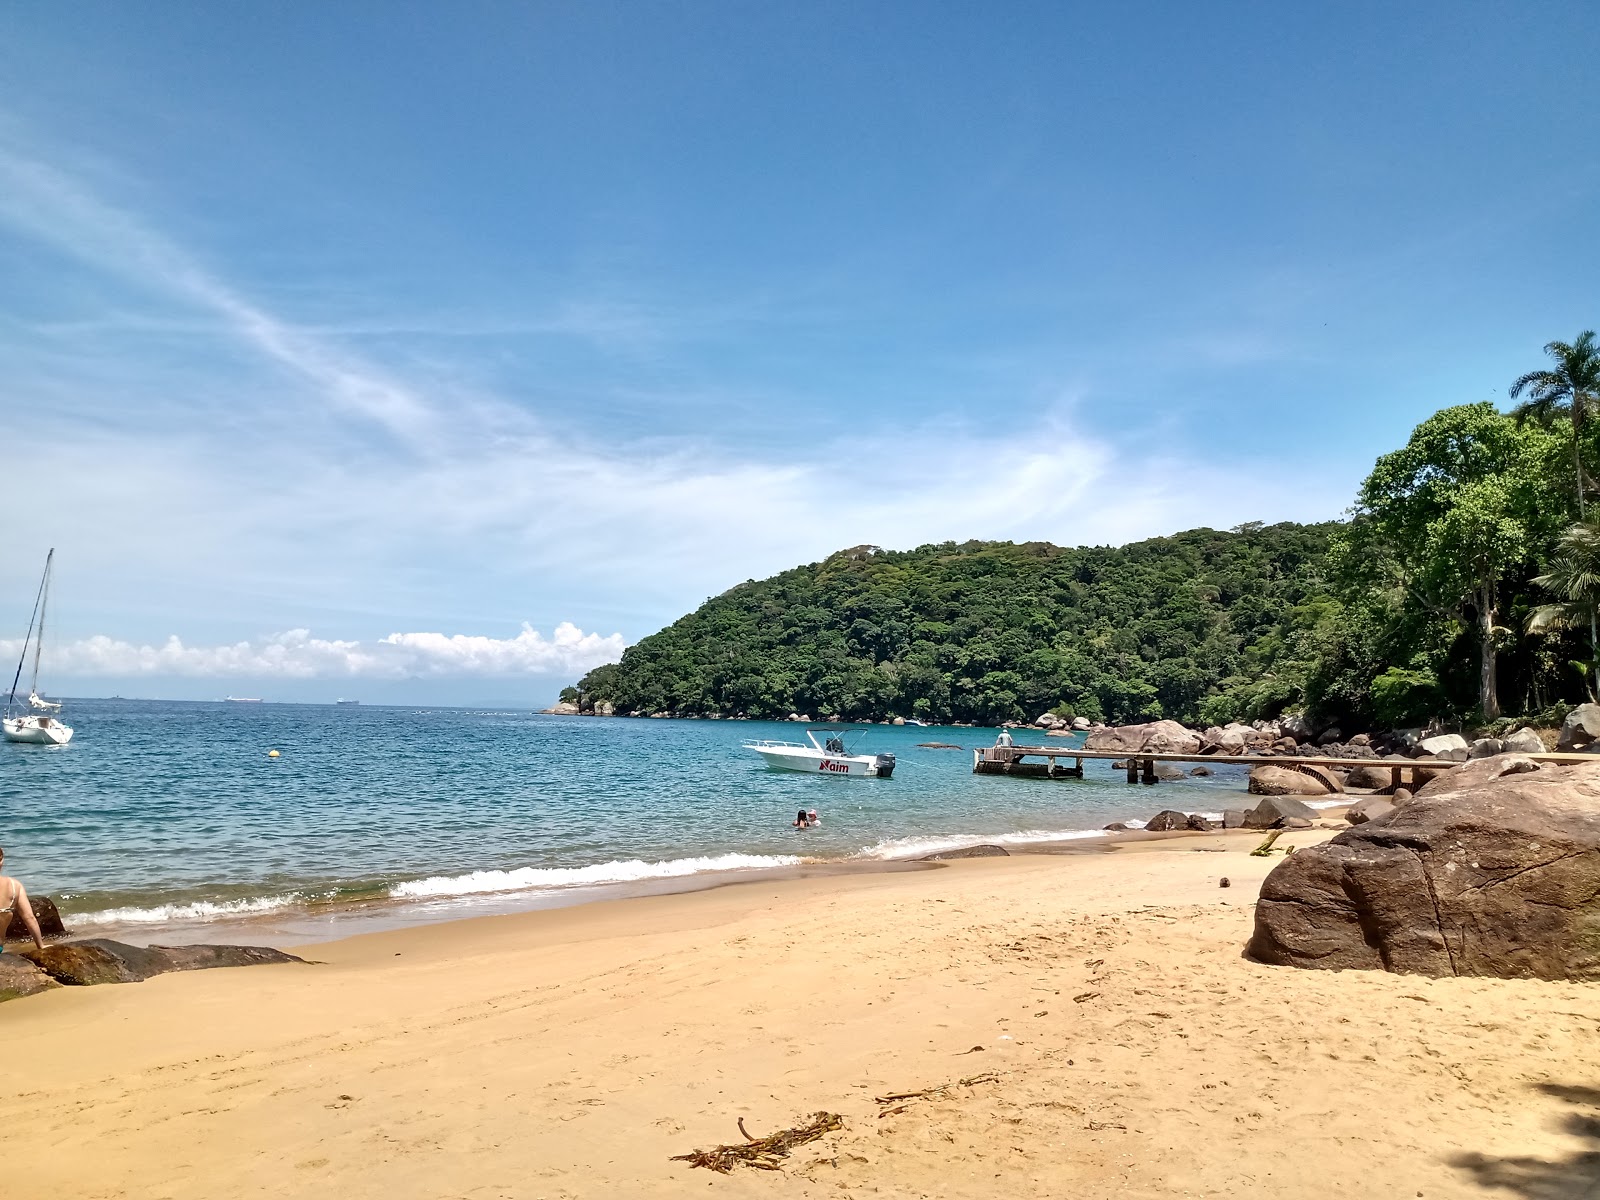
1493,869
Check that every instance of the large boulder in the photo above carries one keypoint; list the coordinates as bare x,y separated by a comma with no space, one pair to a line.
1046,721
1277,812
45,912
1479,874
563,709
1284,781
1080,722
1451,747
19,977
1486,748
1158,737
1581,727
1476,771
1294,725
1523,741
1331,780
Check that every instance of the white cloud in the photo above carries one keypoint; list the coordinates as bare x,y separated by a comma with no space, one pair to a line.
567,652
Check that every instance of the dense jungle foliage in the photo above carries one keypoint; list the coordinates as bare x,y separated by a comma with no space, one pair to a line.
1465,578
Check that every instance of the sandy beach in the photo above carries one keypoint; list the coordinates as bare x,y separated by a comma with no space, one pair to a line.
1116,1044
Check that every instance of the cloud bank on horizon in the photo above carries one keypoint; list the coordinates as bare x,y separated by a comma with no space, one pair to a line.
297,655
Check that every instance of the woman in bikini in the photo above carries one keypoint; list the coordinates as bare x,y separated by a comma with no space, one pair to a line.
14,899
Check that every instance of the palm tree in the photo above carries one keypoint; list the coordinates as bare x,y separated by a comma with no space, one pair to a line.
1574,575
1573,387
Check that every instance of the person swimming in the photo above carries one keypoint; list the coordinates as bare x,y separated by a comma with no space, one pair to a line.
801,821
812,819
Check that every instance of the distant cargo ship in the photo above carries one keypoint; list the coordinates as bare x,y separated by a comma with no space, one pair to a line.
347,702
243,699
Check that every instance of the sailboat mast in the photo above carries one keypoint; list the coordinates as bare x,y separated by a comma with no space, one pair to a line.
33,620
44,604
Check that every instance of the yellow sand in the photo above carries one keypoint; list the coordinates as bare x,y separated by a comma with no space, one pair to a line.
1134,1053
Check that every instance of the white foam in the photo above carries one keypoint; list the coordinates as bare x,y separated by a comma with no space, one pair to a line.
197,910
528,878
918,847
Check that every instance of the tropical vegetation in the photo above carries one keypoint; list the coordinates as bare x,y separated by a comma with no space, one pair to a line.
1464,581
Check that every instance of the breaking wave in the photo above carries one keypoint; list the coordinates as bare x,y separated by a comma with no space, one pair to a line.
194,910
527,878
917,847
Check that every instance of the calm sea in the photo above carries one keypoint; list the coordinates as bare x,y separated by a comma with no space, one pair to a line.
172,819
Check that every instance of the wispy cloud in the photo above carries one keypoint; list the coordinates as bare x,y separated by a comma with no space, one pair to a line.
334,481
297,655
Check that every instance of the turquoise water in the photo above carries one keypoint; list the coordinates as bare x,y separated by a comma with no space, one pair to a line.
162,814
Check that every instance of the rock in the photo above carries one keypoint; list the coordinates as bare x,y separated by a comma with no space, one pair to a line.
1361,739
1167,820
1523,741
1286,745
100,960
1451,747
1401,795
1486,748
1120,765
1234,818
1369,809
1116,827
940,746
19,977
1332,780
1168,772
1158,737
45,912
604,708
898,721
1294,823
563,709
1284,781
1581,727
1294,726
1200,772
1230,739
1488,877
1329,736
204,958
1199,824
1275,809
1060,731
968,852
1368,778
1047,721
1477,771
1080,722
1224,882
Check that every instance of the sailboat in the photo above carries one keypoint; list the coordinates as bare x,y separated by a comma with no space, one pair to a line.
35,720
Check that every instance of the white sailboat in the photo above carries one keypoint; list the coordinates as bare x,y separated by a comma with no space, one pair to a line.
34,719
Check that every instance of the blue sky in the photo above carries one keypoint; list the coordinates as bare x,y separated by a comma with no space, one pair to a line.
459,325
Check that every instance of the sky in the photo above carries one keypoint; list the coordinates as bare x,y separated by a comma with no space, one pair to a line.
435,353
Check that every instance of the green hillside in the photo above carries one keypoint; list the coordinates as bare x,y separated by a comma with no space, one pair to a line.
1202,626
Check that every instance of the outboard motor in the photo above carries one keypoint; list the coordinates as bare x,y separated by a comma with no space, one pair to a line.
885,765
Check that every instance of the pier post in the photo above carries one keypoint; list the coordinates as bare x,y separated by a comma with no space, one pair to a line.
1150,771
1133,769
1394,779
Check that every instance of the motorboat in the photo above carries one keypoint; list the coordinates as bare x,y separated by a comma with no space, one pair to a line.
35,720
830,756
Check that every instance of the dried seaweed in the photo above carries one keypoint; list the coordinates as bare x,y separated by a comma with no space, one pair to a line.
762,1153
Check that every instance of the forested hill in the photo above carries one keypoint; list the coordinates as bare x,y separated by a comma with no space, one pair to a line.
1203,626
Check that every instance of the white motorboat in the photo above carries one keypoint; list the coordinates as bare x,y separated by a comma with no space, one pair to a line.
828,757
35,720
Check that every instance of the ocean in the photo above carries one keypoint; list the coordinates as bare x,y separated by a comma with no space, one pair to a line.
169,820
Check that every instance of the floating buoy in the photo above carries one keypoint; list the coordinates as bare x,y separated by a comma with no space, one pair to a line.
272,754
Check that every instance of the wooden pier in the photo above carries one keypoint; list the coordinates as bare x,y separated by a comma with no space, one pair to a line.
1141,764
